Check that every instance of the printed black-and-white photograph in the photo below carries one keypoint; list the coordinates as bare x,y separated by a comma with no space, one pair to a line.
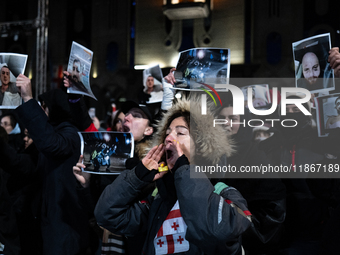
11,65
15,62
106,152
260,95
312,70
79,67
152,82
199,66
328,113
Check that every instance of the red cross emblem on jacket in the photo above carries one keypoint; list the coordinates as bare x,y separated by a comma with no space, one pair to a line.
170,237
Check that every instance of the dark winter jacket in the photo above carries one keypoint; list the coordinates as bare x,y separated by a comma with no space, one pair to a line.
213,225
299,147
8,224
63,221
215,220
265,197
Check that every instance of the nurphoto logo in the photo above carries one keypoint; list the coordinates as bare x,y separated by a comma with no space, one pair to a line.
238,104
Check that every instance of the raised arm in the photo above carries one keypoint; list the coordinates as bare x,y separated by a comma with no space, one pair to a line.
118,208
57,142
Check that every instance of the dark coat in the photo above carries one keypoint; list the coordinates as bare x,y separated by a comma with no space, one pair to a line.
18,185
23,188
63,222
265,197
299,147
8,225
200,211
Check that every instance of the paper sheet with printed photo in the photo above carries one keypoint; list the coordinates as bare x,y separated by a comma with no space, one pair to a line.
79,67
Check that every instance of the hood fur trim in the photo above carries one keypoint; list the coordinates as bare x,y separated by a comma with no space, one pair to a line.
142,148
211,143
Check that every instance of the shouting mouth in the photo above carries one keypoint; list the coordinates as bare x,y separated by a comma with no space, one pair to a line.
171,154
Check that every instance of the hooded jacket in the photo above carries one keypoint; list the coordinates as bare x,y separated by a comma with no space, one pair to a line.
63,220
213,225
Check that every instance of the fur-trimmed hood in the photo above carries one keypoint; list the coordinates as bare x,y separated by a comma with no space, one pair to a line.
142,148
211,143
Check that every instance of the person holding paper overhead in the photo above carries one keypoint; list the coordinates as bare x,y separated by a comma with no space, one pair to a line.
64,222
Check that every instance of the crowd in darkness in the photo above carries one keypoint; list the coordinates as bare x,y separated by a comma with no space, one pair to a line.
49,205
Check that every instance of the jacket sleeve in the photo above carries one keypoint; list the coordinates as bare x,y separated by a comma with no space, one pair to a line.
118,209
213,220
53,144
266,229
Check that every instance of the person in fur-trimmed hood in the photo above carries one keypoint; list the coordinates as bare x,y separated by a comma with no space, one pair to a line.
183,215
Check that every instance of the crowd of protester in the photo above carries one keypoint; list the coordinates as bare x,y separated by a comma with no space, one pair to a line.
48,205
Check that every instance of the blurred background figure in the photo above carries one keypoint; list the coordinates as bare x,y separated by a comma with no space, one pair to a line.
261,133
10,123
117,124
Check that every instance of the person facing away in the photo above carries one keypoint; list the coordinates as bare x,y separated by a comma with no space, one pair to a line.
64,224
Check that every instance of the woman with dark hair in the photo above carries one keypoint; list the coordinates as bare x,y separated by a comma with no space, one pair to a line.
117,123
